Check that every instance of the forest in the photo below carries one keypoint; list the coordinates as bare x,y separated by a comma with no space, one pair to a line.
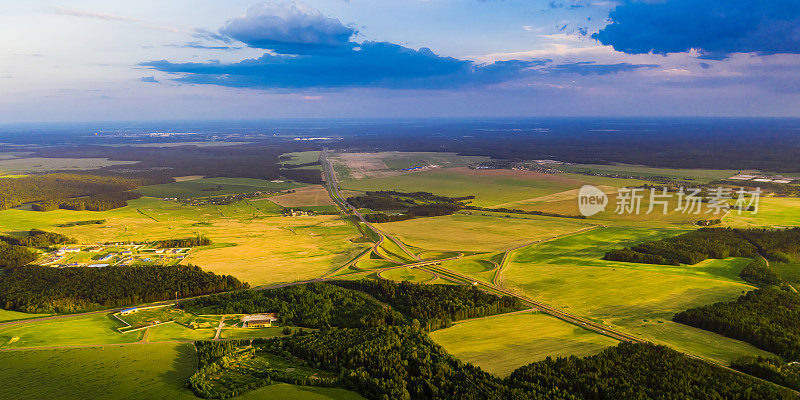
766,318
434,306
196,241
406,205
38,289
412,366
772,369
59,187
311,305
704,243
95,202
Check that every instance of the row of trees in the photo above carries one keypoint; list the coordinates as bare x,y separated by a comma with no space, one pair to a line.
408,205
312,305
38,289
435,306
196,241
58,187
772,369
766,318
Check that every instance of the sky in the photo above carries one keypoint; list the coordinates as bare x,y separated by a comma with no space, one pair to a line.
108,60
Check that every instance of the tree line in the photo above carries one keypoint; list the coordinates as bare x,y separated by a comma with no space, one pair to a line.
196,241
95,202
704,243
766,318
434,306
407,205
311,305
38,289
37,238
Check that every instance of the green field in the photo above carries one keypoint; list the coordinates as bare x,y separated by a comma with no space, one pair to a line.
503,343
82,330
302,157
568,273
173,331
479,231
772,211
151,371
213,187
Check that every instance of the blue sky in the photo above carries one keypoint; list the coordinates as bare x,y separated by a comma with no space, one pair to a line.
145,60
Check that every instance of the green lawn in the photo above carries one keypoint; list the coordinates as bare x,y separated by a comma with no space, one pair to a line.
207,187
174,331
772,211
569,274
501,344
83,330
283,391
407,274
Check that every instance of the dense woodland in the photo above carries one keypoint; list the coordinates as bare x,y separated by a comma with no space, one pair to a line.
767,318
312,305
698,245
772,369
59,187
38,289
641,371
96,202
406,205
15,256
435,306
196,241
402,363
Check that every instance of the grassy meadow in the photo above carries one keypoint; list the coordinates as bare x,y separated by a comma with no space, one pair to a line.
503,343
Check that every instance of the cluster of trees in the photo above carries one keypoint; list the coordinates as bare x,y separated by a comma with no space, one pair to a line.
772,369
688,248
403,363
408,205
312,176
434,306
312,305
766,318
79,223
57,187
705,243
196,241
220,369
641,371
757,271
38,238
14,256
96,202
38,289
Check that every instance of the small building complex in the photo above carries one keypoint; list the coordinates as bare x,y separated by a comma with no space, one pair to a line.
258,320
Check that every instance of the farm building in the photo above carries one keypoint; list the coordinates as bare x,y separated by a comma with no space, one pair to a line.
258,320
128,311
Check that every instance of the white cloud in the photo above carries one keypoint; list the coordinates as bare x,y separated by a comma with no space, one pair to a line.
110,17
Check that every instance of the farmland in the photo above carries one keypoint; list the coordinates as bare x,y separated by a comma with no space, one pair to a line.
504,343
